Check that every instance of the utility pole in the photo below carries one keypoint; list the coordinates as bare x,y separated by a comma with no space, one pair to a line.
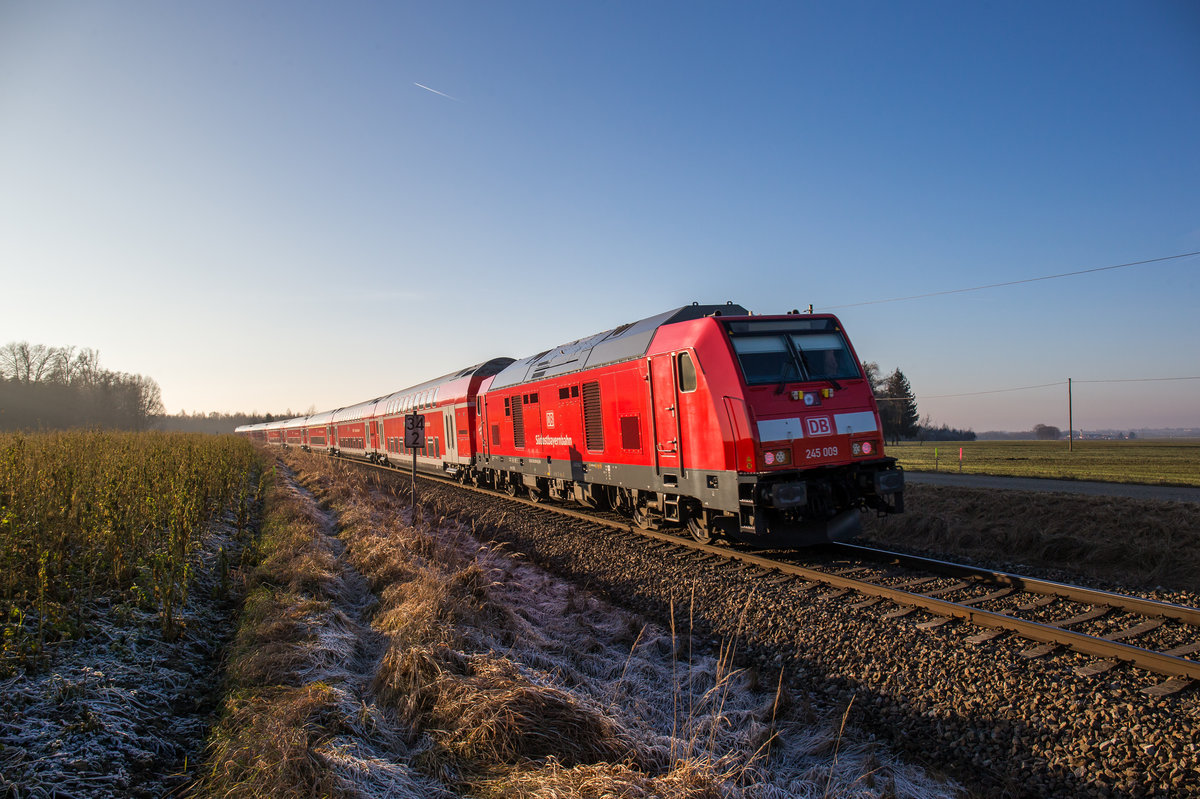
1070,419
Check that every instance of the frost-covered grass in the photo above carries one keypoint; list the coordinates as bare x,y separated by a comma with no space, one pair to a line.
434,663
121,711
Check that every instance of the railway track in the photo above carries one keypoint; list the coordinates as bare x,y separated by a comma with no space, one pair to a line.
1050,615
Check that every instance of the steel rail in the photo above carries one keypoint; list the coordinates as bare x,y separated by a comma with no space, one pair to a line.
1074,593
1158,662
1148,659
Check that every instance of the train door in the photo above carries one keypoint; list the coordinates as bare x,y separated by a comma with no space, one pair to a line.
483,434
451,445
664,403
375,435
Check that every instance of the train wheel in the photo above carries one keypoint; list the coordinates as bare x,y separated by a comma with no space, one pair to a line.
510,488
700,531
708,527
536,494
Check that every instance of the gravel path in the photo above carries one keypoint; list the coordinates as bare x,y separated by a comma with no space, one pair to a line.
1004,724
1088,487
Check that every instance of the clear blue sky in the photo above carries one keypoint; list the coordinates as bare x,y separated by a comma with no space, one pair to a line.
257,205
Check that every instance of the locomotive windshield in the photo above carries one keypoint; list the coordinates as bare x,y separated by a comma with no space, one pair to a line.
791,351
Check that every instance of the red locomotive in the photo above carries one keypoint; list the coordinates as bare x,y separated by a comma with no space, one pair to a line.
707,417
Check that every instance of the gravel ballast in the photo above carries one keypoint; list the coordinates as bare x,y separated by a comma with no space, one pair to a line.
999,722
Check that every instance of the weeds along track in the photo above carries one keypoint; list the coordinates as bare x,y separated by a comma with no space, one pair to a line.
988,708
410,657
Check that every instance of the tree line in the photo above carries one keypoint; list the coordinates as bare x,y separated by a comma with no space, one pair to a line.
60,387
214,422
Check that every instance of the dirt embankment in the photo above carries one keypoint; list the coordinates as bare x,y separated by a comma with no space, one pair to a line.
1139,544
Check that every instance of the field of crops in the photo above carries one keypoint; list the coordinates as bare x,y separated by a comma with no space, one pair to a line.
114,517
1166,462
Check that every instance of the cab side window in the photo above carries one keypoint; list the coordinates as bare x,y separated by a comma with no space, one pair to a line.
687,372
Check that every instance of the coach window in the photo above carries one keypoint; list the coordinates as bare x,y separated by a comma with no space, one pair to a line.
687,373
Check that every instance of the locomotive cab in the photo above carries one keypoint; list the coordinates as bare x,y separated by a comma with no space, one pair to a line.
812,457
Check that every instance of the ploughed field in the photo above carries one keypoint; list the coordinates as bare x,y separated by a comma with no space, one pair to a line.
1154,462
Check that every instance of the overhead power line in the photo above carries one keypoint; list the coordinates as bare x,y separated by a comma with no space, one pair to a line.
995,391
1013,282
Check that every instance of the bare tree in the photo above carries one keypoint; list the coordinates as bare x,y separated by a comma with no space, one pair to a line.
27,363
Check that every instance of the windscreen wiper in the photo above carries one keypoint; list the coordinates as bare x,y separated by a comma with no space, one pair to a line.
808,368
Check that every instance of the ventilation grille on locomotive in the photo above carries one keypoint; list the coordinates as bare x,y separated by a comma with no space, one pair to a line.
593,427
518,417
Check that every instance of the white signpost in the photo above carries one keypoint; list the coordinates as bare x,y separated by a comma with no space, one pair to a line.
414,439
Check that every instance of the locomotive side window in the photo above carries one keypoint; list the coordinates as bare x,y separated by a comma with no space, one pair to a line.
687,373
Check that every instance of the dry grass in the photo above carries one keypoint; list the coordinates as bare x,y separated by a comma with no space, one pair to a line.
1132,542
688,780
481,675
291,638
514,684
267,741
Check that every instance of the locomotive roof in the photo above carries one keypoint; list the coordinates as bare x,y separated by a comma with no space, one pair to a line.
622,343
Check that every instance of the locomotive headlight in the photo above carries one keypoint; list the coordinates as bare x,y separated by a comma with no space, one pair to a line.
811,399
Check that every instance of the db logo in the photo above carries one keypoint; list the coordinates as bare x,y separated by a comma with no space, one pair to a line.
818,426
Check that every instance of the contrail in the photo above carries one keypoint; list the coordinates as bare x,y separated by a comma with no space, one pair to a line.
435,91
